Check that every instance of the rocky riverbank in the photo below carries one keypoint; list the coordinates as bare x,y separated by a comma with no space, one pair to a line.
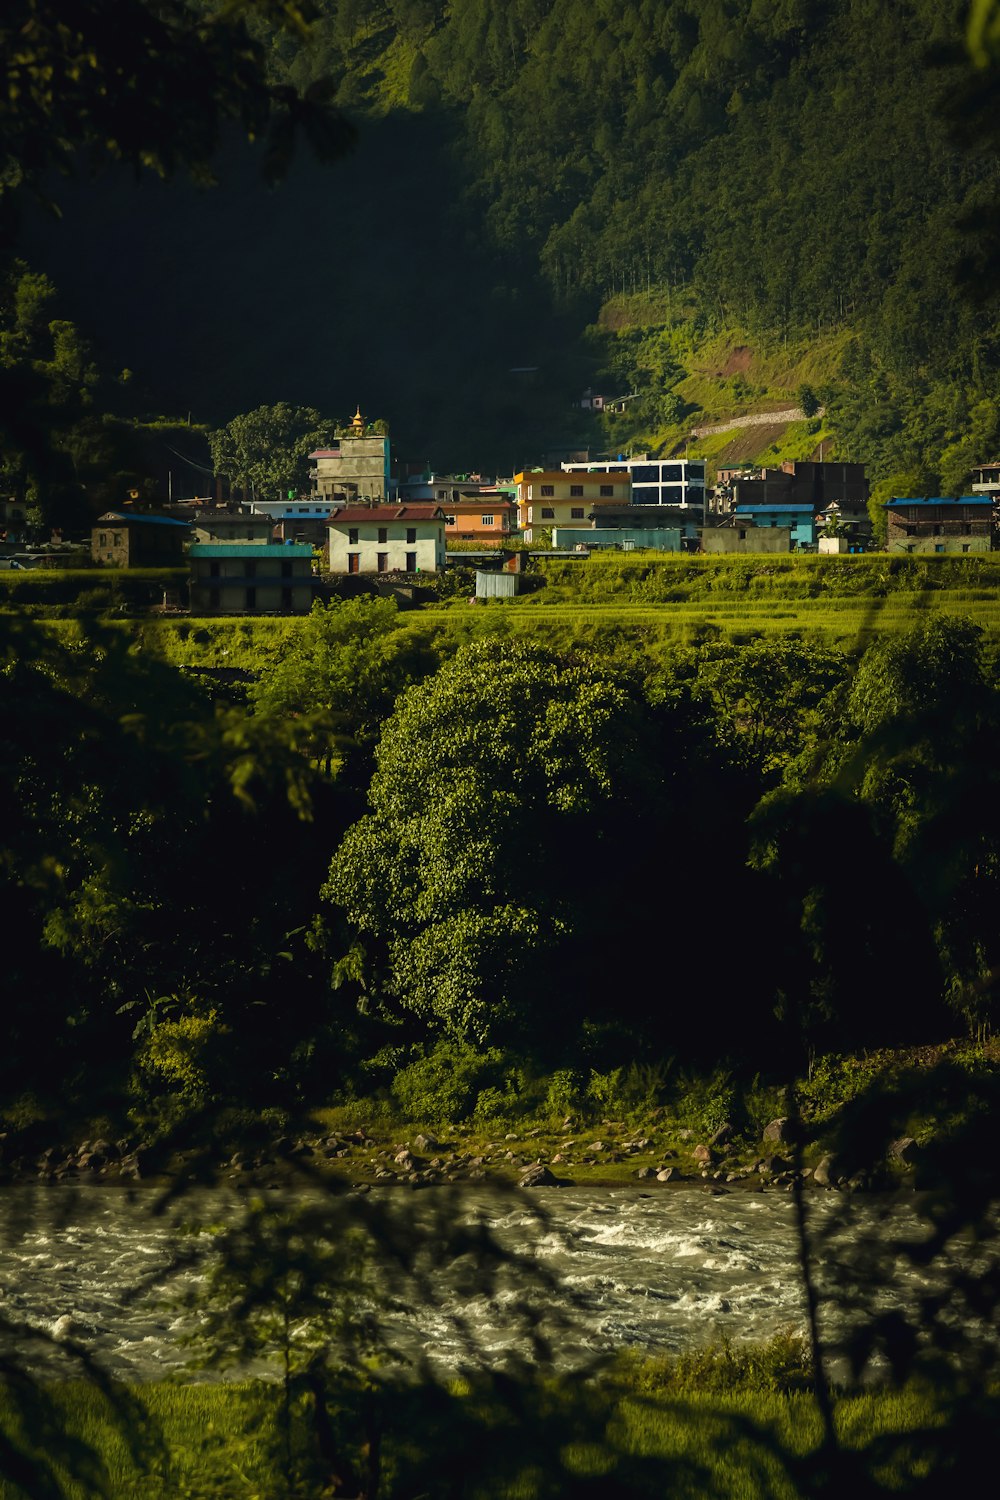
613,1155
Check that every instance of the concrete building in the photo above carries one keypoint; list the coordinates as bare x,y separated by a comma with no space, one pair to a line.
656,481
387,539
556,497
941,524
986,479
625,539
250,578
356,469
121,540
730,540
797,517
490,520
232,526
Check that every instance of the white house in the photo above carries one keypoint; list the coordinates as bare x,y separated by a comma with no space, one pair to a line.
387,539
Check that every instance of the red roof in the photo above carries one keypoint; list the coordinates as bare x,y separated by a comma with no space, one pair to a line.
325,453
380,513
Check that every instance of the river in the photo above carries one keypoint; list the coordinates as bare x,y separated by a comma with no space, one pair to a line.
656,1272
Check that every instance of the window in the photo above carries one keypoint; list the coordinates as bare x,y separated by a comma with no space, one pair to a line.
383,562
645,474
548,489
286,598
286,570
353,562
213,570
670,471
966,529
411,562
411,535
117,539
104,540
352,536
743,536
965,546
487,520
576,489
576,513
251,598
548,514
939,547
251,569
607,490
249,535
938,531
383,535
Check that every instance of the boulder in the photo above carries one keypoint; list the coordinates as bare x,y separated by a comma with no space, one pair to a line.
722,1134
426,1143
781,1130
906,1150
643,1172
702,1154
823,1172
537,1176
665,1174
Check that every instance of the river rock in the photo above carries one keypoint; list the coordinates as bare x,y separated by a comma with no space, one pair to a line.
426,1143
665,1174
781,1130
823,1172
906,1150
702,1154
537,1176
643,1172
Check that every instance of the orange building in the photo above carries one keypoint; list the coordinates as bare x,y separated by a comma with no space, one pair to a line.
489,519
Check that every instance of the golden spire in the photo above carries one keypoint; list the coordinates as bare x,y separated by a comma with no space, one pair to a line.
357,424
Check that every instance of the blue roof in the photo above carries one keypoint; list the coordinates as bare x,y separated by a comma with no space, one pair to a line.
117,515
250,549
805,507
940,500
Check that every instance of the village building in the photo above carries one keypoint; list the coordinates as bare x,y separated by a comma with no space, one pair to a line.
555,497
489,520
655,481
120,540
355,469
232,526
250,578
387,539
941,524
797,517
731,540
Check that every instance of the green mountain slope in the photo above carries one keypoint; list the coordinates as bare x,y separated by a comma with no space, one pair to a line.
560,193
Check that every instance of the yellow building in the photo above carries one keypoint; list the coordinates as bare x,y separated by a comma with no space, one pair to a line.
550,497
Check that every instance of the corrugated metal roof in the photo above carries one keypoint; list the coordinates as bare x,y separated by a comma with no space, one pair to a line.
250,549
117,515
379,515
940,500
805,507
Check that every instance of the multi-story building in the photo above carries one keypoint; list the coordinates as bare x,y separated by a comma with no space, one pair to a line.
489,520
122,540
941,524
655,481
558,497
356,469
232,526
387,539
250,578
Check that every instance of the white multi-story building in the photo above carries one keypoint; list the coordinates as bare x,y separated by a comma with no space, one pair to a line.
387,539
656,481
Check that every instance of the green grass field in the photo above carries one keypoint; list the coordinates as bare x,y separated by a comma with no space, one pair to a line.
227,1440
643,599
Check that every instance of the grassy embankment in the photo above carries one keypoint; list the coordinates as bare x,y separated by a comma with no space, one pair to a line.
646,598
647,1423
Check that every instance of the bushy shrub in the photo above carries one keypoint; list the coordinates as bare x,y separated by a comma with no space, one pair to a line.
446,1082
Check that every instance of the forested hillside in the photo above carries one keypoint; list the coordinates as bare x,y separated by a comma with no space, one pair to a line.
770,175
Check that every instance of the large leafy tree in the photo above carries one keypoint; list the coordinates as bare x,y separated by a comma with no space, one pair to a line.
508,804
264,452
